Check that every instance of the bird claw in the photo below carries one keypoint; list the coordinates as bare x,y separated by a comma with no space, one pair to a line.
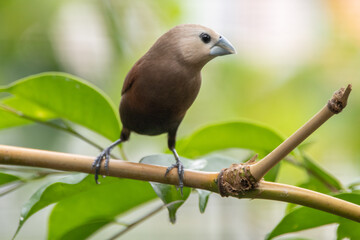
97,163
107,161
180,168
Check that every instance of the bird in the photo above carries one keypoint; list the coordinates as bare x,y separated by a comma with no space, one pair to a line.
163,84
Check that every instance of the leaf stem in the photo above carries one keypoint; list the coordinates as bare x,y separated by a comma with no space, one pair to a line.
70,130
130,226
15,185
19,183
67,128
327,184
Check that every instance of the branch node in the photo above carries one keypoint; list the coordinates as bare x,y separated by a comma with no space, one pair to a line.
236,179
339,100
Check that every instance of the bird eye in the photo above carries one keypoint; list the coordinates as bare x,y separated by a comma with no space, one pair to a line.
205,37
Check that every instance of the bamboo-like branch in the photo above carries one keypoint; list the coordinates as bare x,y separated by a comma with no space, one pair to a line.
77,163
335,105
305,197
204,180
240,178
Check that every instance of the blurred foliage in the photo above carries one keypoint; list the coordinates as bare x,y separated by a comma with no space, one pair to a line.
48,96
25,44
305,218
41,36
63,95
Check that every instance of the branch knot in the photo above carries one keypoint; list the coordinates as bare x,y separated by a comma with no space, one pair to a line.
236,179
339,100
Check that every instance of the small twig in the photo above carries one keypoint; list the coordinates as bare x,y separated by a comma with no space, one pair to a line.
67,127
15,185
334,106
70,130
130,226
293,161
19,183
29,170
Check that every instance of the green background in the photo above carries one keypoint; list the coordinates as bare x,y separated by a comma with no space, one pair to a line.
291,57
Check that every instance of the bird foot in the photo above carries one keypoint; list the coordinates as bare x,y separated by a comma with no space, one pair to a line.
180,168
97,163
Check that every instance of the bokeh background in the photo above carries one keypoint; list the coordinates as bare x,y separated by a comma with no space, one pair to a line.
291,56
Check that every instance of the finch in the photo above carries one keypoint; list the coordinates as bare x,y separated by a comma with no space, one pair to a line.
163,84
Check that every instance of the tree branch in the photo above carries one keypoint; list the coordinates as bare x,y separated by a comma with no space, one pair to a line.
77,163
239,180
335,105
10,155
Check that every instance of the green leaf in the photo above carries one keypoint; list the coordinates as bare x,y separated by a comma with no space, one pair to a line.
78,193
319,180
354,185
241,134
303,218
83,213
8,119
214,163
348,230
300,219
316,185
203,199
169,193
85,230
8,178
296,238
313,184
167,160
51,193
65,96
322,175
272,174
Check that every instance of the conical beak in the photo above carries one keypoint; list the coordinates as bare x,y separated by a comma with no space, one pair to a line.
222,47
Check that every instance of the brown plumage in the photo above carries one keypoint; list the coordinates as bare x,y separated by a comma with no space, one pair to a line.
163,84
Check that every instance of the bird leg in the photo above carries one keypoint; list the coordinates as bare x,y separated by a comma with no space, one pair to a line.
104,155
180,171
178,164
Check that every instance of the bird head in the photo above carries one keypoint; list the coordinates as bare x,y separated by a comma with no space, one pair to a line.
193,44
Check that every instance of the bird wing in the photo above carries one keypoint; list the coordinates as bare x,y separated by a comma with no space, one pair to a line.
131,76
129,80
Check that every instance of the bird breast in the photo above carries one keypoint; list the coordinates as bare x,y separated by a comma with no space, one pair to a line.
159,97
